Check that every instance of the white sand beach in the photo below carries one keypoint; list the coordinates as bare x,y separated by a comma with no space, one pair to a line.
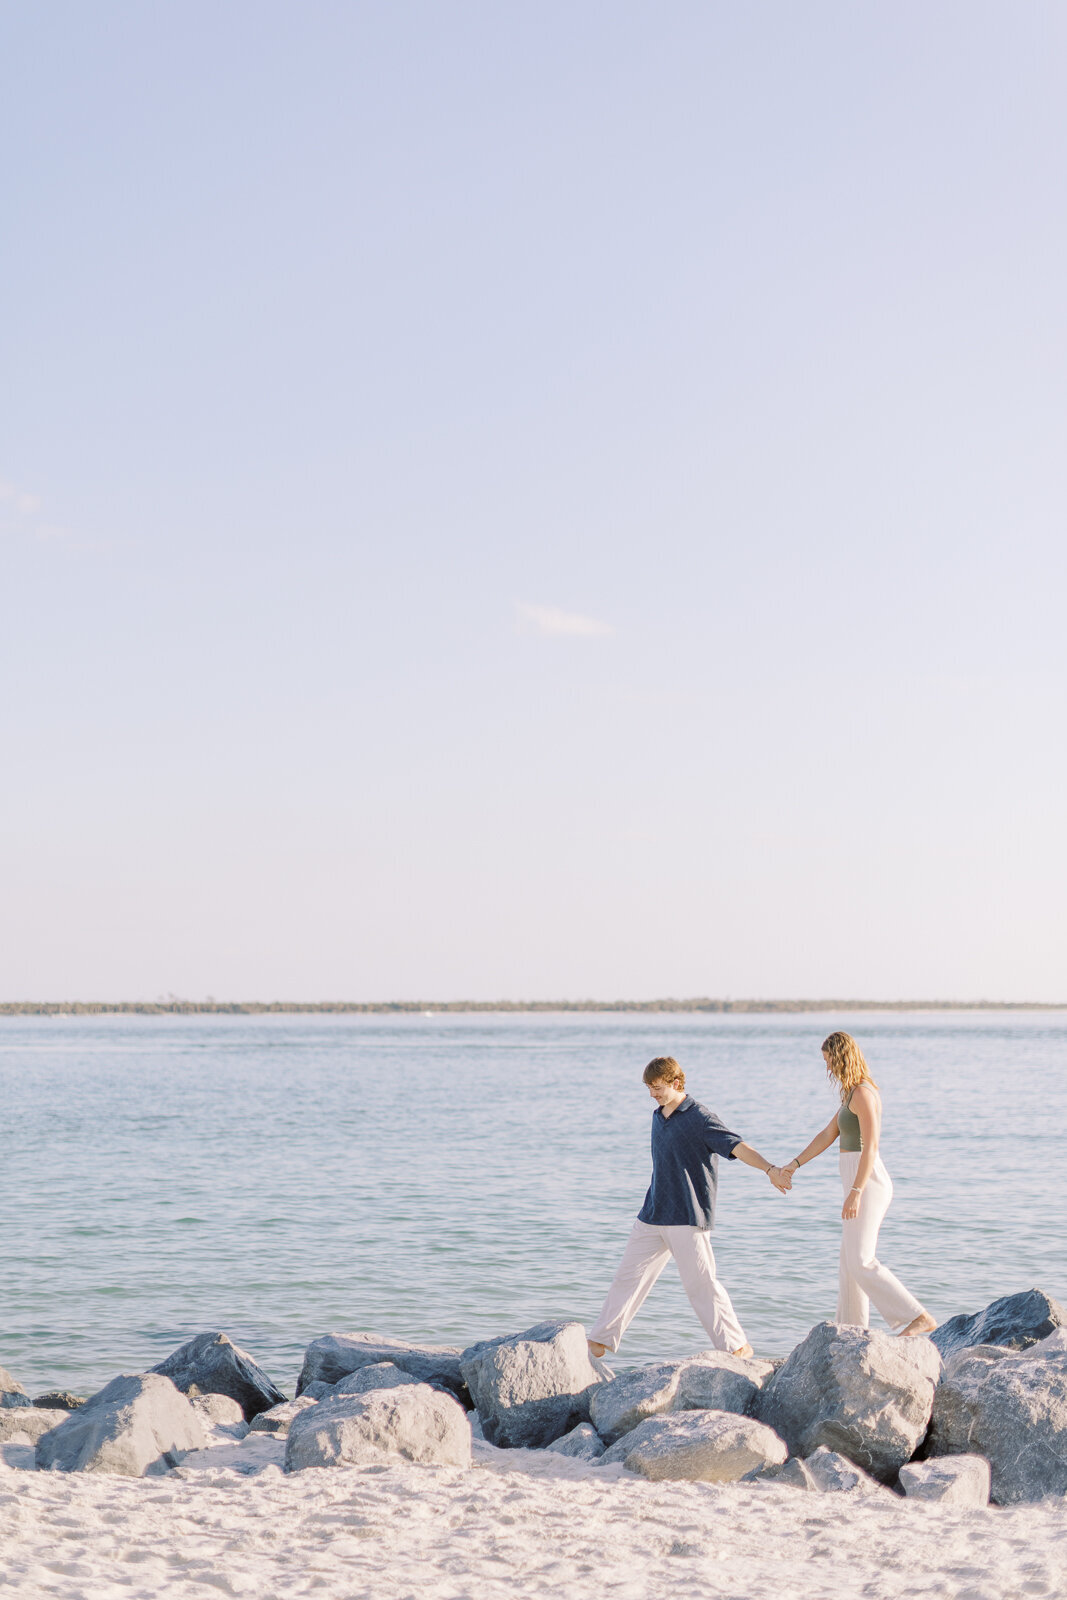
519,1523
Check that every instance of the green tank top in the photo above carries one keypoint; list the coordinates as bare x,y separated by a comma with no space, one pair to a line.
848,1126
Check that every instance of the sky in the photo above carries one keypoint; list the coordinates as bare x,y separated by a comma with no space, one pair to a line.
532,501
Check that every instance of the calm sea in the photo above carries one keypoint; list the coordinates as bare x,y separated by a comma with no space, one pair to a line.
452,1177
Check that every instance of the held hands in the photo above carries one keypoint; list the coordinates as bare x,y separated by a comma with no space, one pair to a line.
781,1177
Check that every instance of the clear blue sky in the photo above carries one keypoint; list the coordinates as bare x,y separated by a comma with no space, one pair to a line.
532,500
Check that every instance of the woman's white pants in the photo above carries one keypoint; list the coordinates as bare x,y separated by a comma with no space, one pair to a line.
647,1252
862,1276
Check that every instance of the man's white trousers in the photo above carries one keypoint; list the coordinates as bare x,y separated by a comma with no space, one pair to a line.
647,1253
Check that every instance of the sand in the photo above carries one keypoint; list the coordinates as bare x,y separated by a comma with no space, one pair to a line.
519,1523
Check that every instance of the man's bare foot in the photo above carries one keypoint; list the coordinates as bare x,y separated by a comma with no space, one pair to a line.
599,1351
744,1352
924,1323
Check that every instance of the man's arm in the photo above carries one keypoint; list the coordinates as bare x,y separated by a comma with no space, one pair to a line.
752,1158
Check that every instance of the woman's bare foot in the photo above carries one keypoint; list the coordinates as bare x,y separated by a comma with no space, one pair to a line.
744,1352
924,1323
599,1351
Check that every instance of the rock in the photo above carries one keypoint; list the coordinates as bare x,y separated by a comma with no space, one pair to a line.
379,1375
278,1418
582,1441
218,1411
616,1408
415,1423
12,1394
794,1474
1011,1408
712,1381
703,1446
530,1388
59,1400
30,1420
335,1355
212,1364
862,1393
138,1425
958,1480
317,1390
718,1381
1016,1321
833,1473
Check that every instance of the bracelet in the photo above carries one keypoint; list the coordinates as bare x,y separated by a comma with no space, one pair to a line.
854,1190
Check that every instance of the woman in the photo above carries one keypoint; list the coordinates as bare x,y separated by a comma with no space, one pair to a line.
868,1191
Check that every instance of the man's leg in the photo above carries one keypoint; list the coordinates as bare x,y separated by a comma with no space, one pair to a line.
643,1260
691,1248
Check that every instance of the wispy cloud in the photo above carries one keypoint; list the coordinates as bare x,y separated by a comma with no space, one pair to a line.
550,619
20,511
19,500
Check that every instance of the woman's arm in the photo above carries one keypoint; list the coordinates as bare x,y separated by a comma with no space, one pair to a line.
868,1108
822,1141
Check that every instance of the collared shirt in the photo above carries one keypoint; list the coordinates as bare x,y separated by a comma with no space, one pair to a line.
686,1147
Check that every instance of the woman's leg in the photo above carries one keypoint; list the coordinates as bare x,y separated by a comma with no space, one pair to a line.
644,1258
691,1249
860,1267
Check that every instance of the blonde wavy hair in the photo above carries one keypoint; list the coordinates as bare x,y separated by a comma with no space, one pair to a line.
845,1065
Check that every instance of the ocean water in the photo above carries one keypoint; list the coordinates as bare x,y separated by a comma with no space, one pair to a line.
452,1177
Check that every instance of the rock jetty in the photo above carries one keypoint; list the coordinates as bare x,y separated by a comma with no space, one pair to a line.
977,1413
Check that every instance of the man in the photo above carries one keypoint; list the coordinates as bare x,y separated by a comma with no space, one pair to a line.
678,1213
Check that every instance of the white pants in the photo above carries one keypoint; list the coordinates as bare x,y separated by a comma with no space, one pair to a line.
647,1252
863,1277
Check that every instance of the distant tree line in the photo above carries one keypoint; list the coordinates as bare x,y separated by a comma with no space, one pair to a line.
257,1008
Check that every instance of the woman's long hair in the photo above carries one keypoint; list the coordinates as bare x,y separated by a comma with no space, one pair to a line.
845,1064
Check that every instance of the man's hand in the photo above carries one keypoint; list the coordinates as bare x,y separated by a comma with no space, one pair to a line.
781,1177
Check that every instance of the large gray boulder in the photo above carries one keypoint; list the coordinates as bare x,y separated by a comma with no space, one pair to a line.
29,1420
279,1419
335,1355
862,1393
414,1423
139,1425
718,1381
702,1446
211,1363
531,1387
379,1375
616,1408
220,1411
712,1381
957,1480
1016,1321
1011,1408
582,1442
12,1394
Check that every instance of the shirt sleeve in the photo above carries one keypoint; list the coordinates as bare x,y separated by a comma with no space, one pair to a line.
720,1141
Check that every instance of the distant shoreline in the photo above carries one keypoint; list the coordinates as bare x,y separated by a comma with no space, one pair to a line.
256,1008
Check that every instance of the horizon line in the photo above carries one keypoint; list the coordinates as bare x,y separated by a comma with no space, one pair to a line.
173,1005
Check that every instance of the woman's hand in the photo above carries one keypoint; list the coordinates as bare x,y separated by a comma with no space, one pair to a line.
781,1177
851,1208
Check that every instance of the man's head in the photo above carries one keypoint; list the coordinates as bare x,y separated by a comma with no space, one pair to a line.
665,1080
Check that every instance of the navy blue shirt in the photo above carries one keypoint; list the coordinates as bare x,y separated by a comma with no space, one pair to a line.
686,1147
